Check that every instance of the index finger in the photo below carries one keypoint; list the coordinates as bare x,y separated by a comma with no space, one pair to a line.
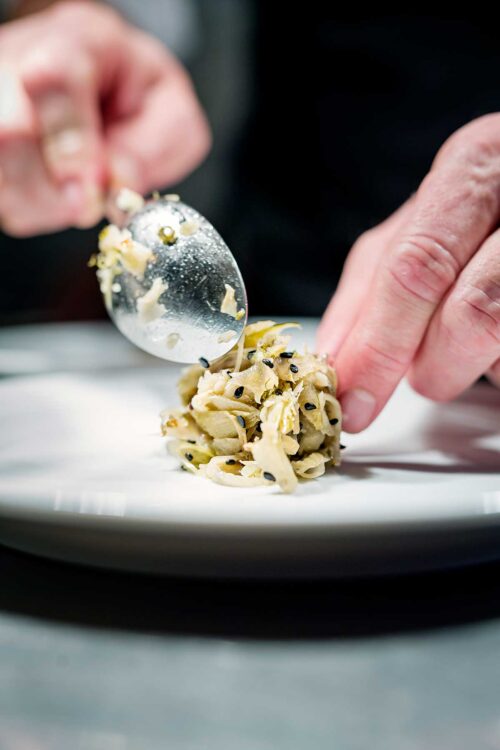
456,207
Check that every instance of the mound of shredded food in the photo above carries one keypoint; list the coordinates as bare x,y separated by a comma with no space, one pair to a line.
262,414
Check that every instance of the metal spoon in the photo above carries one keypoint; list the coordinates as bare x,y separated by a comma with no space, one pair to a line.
194,265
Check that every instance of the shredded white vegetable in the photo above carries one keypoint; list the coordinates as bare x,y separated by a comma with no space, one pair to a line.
261,415
187,228
226,336
228,304
173,339
148,306
129,201
118,252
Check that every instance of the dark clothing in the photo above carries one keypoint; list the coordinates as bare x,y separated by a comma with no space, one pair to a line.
349,112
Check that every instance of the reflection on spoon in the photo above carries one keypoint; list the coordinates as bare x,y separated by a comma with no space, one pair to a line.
170,283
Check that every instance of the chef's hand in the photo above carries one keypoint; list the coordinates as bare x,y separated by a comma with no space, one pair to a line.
87,102
420,293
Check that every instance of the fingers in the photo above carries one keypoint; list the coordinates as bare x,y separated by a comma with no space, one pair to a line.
93,102
165,138
65,100
463,339
50,158
357,277
455,209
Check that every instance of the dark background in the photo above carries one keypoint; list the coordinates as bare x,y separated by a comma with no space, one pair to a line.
324,122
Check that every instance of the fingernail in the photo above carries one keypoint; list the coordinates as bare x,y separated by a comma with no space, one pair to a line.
72,191
64,144
358,408
93,206
124,172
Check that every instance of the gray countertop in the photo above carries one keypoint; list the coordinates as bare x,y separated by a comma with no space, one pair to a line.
101,661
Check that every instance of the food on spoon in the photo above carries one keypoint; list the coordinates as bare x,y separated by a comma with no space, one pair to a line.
173,339
226,336
118,252
129,201
189,227
148,306
228,304
262,414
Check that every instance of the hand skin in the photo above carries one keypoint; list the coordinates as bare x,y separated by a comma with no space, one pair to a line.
420,293
88,103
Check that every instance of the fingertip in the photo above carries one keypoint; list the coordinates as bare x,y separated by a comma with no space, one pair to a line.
124,172
92,210
84,203
359,408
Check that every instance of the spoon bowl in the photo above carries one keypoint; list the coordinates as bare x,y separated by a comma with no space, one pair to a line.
174,310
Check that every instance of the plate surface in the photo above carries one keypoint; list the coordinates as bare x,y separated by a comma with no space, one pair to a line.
85,477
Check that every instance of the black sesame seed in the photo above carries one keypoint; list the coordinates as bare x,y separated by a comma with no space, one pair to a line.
258,428
251,353
193,442
308,406
241,420
230,462
204,362
287,355
239,392
342,446
189,456
270,477
334,420
268,362
278,392
294,368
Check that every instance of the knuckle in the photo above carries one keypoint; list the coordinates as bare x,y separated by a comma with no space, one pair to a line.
423,267
476,147
361,248
468,146
478,314
364,241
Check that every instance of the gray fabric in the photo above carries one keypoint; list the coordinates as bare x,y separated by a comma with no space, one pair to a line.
174,22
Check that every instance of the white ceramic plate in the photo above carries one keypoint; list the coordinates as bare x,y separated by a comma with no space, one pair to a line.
85,477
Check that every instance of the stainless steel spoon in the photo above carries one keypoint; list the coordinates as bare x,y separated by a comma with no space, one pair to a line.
194,265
